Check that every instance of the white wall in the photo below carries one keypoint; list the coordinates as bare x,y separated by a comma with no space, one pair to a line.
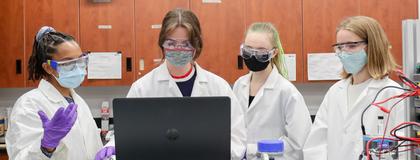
313,94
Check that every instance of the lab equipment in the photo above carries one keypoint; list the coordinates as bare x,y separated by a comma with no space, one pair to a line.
380,125
172,44
388,150
69,65
270,150
104,118
8,112
3,121
2,125
411,68
178,127
261,55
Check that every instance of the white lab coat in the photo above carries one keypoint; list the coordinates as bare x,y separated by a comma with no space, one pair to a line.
278,111
25,132
336,132
159,83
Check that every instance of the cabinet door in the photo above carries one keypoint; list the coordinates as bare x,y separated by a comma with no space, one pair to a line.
287,17
3,154
320,19
109,27
223,27
390,14
63,15
148,19
11,44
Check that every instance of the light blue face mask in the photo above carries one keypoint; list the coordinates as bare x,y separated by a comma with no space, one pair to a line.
71,73
71,78
179,57
353,62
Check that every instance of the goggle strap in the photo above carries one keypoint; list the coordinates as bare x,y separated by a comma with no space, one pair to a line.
52,63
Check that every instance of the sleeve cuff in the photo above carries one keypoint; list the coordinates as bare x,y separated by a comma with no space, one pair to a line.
46,153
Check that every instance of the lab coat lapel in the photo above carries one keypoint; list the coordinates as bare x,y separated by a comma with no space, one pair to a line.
51,92
363,100
165,77
257,98
342,94
200,87
266,87
244,90
173,88
367,96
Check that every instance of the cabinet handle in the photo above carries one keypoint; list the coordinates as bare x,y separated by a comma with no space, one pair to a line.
129,65
240,62
18,66
141,64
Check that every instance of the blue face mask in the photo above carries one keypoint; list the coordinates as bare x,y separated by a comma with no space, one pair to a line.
353,62
71,73
179,57
71,78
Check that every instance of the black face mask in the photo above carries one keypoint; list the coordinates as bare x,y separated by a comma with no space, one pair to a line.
254,65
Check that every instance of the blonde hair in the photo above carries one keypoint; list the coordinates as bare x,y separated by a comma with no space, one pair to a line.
380,60
278,60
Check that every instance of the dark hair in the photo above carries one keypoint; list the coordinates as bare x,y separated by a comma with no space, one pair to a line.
182,18
45,44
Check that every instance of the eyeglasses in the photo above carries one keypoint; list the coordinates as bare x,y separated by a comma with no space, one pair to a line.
172,44
348,46
69,65
262,55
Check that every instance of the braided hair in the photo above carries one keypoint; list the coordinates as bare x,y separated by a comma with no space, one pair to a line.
45,45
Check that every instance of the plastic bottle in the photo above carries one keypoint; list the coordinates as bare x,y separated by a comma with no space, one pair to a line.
104,118
270,150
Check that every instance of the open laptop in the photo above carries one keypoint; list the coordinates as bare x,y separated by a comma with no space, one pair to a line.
177,128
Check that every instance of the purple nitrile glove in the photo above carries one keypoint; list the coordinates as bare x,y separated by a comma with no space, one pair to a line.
59,126
105,153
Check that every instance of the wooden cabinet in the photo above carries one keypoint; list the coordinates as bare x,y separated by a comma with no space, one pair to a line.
390,14
320,19
223,27
12,64
63,15
109,27
287,17
133,26
148,19
3,155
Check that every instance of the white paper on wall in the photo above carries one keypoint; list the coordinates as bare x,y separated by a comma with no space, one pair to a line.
104,65
324,66
290,62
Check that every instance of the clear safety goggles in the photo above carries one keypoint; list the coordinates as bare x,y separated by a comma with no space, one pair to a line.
348,46
173,44
69,65
262,55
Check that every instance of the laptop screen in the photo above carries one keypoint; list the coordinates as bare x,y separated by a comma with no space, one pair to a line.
172,128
